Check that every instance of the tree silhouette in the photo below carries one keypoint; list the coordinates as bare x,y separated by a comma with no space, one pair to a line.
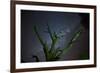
52,53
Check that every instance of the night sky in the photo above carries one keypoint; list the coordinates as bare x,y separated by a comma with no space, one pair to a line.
63,23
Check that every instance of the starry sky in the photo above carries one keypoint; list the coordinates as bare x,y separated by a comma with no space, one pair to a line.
65,24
